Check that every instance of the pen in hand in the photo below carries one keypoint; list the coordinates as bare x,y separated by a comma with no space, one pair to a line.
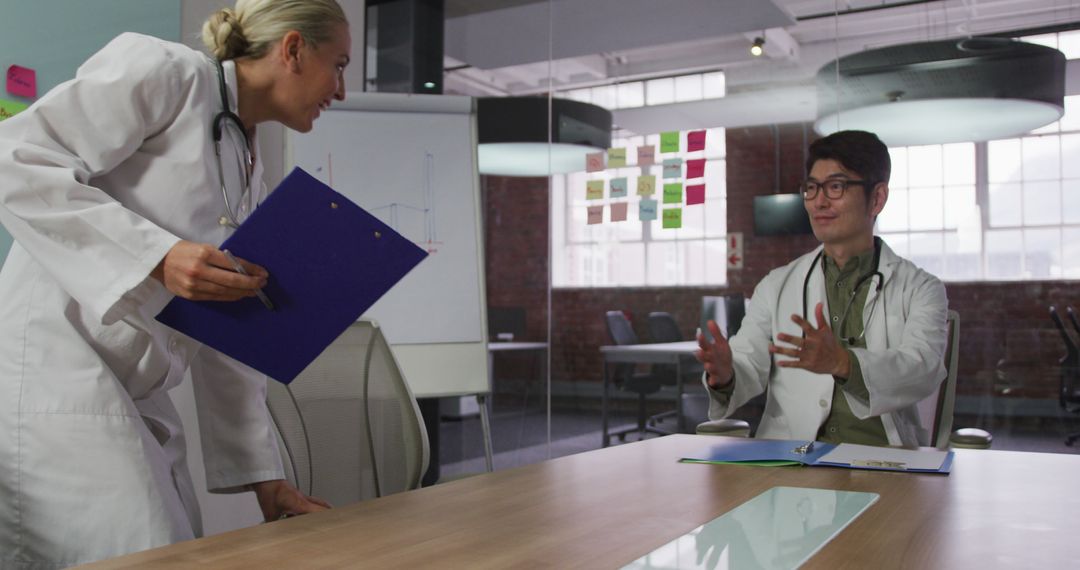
240,269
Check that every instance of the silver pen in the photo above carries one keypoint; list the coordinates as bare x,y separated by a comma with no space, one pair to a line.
240,269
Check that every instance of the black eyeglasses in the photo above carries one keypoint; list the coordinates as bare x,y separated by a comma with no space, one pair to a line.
834,187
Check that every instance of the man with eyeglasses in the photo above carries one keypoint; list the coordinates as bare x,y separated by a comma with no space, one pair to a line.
846,339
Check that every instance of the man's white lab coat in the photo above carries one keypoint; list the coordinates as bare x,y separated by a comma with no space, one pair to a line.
902,363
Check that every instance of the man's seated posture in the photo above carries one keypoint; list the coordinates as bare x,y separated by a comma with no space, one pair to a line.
848,338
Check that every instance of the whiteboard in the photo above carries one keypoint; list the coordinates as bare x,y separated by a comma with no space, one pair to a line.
410,160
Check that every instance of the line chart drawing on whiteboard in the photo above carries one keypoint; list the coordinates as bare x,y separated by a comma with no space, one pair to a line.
417,222
399,213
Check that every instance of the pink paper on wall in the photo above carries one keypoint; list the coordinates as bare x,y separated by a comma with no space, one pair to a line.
594,162
618,212
596,215
695,194
695,140
22,81
646,155
695,168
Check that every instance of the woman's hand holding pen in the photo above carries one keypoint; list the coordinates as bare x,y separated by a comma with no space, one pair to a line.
201,272
716,356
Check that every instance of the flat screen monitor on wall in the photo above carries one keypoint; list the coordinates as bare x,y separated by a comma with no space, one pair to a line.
780,214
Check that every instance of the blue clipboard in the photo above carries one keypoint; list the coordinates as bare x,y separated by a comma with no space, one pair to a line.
329,261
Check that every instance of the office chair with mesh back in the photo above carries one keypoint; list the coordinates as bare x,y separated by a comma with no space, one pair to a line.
1069,366
626,378
348,425
663,328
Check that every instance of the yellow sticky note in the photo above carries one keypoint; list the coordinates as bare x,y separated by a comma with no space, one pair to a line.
672,218
616,157
646,185
594,190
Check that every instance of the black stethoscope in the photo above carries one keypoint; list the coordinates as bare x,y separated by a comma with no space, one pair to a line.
867,277
221,121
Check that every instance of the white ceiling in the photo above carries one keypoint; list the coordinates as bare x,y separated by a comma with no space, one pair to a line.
492,49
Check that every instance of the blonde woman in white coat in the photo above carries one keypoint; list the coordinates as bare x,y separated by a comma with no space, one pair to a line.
112,192
823,384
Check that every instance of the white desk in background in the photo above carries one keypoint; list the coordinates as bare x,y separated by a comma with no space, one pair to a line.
497,347
464,404
656,353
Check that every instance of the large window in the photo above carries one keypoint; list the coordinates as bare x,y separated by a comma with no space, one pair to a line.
661,91
1003,210
635,252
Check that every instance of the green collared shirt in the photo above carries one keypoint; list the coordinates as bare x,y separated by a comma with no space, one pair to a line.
842,425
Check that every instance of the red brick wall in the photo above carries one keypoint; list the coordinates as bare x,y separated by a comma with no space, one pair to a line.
998,320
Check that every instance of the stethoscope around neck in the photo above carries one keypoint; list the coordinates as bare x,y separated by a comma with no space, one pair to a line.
866,277
221,121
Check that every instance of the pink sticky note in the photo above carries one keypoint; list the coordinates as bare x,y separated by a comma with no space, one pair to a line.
695,194
695,168
695,140
22,82
596,215
646,155
594,162
618,212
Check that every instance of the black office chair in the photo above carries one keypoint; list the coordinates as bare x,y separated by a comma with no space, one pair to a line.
1069,391
663,328
627,378
727,310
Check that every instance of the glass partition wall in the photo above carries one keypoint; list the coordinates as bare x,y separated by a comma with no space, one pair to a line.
664,229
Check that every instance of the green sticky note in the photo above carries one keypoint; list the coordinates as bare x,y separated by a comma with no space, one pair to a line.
594,190
9,109
616,157
669,141
672,218
673,193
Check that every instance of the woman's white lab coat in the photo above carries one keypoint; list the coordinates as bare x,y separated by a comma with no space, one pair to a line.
98,180
902,363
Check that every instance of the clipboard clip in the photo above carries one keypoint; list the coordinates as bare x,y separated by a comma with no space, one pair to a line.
804,448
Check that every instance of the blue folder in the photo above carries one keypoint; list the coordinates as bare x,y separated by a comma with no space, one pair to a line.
329,261
781,452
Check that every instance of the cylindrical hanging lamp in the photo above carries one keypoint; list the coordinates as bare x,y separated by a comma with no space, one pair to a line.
513,135
973,89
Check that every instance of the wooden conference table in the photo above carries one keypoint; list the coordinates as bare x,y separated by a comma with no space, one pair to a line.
609,507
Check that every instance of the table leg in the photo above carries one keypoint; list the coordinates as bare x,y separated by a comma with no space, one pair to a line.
606,439
486,427
679,428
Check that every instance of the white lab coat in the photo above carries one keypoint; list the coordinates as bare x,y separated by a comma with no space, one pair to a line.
99,179
902,363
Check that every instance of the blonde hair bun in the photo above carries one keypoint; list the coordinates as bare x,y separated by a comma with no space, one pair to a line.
224,36
253,26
